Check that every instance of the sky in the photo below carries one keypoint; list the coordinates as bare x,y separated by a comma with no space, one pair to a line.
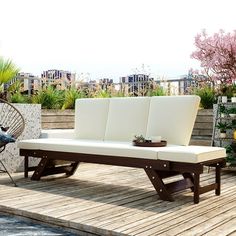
109,38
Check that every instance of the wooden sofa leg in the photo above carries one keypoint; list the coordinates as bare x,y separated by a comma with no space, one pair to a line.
159,185
190,177
26,166
39,170
218,179
74,167
196,188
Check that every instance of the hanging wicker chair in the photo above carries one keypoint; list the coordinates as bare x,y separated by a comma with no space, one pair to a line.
12,123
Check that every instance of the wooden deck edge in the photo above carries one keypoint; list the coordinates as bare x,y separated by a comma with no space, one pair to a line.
73,227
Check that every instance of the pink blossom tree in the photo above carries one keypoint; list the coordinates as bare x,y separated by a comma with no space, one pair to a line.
217,54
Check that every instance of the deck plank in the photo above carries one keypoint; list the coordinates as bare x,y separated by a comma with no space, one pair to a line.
111,200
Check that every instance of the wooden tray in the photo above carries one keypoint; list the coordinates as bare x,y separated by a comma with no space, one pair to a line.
152,144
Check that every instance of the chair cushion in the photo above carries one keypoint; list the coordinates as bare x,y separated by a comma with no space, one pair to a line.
172,117
6,138
108,148
191,154
127,117
188,154
31,144
91,118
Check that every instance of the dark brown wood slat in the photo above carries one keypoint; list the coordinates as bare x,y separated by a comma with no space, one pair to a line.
56,170
218,177
179,185
74,167
196,190
159,185
207,188
40,169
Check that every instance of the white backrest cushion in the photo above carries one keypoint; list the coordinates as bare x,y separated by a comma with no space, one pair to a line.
173,117
91,118
127,117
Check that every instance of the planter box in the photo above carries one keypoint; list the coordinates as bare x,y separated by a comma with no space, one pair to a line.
204,123
32,116
203,128
58,119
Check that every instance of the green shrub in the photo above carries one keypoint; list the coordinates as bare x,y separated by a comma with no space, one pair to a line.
207,96
70,96
49,98
18,98
157,91
228,90
103,94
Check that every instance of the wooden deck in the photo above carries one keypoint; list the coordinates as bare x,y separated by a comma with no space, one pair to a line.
110,200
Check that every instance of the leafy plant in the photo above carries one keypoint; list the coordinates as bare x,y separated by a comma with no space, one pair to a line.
223,109
233,124
15,87
157,91
103,94
49,98
207,95
223,126
70,96
18,98
228,90
8,70
230,151
232,110
139,138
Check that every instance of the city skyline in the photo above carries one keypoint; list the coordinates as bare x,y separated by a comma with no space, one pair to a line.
109,39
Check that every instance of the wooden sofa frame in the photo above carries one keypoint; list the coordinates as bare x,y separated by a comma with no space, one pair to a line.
156,170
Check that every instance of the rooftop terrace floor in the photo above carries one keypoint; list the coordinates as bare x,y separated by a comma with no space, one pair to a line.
111,200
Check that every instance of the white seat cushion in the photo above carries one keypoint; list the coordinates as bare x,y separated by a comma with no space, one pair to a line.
108,148
31,144
191,154
173,117
91,118
127,117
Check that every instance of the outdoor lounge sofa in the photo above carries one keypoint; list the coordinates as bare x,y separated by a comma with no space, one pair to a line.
105,128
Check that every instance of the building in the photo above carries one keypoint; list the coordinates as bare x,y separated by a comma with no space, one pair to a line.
136,84
29,82
105,83
183,85
59,78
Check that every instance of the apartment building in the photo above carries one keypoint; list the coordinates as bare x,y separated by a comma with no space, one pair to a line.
29,82
136,84
59,78
105,83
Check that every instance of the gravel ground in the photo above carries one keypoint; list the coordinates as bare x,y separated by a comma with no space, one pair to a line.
14,226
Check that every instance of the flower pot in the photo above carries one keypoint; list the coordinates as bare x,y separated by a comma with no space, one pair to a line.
224,99
232,115
222,115
222,135
233,99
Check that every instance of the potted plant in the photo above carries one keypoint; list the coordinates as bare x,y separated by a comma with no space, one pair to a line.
222,126
223,110
232,111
